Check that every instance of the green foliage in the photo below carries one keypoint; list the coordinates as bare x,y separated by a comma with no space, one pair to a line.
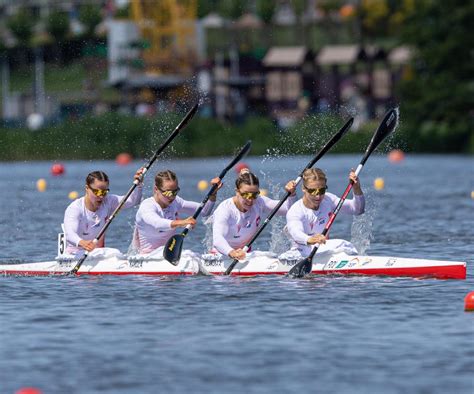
123,12
205,7
299,7
439,97
57,25
106,136
21,24
89,15
232,9
266,9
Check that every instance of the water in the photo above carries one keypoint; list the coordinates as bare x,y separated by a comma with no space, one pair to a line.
262,334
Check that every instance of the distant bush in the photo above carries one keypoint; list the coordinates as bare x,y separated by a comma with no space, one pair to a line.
105,136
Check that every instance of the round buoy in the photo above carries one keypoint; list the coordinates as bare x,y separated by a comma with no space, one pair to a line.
396,156
240,166
73,195
469,302
28,390
123,159
57,169
35,121
41,185
379,183
472,194
263,192
202,185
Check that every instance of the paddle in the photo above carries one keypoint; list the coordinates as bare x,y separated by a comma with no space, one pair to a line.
174,246
389,123
335,138
178,128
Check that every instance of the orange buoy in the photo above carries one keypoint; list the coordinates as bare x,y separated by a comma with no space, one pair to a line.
396,156
240,166
57,169
469,302
123,159
28,390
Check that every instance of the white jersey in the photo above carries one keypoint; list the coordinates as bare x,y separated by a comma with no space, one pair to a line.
303,222
80,223
232,228
153,223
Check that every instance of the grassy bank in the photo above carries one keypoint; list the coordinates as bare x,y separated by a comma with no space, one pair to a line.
105,136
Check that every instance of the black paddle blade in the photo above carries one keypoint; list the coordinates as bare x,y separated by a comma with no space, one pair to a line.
300,269
386,127
188,117
173,248
245,149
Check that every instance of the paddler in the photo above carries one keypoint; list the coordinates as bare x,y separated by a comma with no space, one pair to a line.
158,216
236,219
308,216
85,217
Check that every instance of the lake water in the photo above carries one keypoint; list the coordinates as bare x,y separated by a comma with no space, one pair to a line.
232,335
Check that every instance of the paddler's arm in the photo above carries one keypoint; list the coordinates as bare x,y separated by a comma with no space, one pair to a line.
72,218
295,228
220,229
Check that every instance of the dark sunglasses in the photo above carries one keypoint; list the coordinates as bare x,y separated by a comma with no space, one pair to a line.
99,192
316,192
170,193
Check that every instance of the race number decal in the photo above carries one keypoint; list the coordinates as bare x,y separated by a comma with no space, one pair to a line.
61,243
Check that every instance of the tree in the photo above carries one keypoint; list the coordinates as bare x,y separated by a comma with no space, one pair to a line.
232,9
57,25
438,99
21,24
205,7
266,9
89,16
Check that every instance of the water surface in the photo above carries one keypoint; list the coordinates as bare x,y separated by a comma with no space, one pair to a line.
263,334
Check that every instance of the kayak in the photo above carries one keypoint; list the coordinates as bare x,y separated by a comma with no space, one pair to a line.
264,263
109,261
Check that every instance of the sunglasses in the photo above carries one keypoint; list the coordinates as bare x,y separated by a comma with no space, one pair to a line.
99,192
317,192
170,193
250,195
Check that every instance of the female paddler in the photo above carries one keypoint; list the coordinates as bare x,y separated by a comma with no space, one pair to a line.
158,216
236,219
85,217
307,218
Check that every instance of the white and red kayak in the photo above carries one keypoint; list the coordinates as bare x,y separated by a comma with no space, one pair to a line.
110,261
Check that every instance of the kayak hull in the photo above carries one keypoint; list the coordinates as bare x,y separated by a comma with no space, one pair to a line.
259,263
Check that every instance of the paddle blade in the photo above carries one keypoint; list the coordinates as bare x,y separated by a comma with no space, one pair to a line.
386,127
188,117
173,248
231,267
302,268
